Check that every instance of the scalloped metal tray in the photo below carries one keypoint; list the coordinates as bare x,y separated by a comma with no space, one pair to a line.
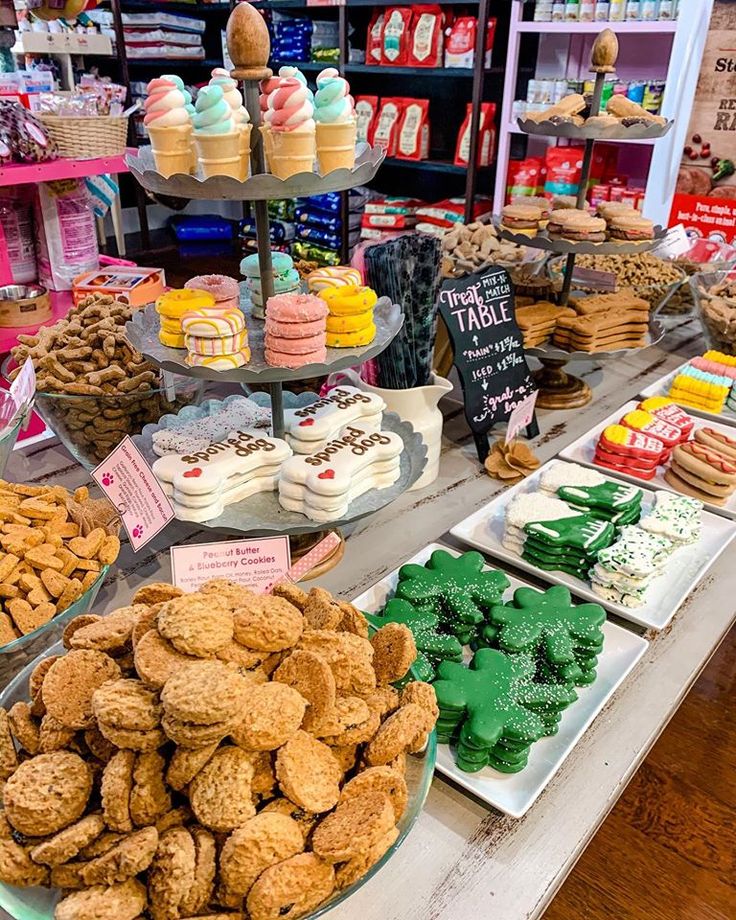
262,515
565,247
260,187
581,132
142,332
656,333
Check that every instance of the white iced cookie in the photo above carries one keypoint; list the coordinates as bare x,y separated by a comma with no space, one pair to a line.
203,482
676,517
321,485
560,474
532,507
182,437
308,427
636,553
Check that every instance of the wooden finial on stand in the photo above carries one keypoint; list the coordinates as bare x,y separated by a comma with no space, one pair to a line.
248,43
605,52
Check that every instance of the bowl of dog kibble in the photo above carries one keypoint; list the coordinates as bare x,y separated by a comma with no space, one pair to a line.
219,753
714,294
93,387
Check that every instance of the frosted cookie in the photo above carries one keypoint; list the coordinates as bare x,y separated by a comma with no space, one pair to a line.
332,276
172,306
560,474
357,322
356,339
349,300
309,427
676,517
637,553
226,345
285,276
648,424
533,506
668,411
202,483
212,324
293,346
293,330
284,359
186,437
296,308
220,362
224,289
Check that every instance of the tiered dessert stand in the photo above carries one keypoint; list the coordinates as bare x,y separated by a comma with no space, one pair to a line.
249,47
557,388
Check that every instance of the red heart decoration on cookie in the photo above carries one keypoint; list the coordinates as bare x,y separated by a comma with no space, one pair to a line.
327,474
306,422
192,474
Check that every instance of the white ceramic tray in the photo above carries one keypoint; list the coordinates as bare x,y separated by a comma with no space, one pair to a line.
662,386
484,530
514,794
583,450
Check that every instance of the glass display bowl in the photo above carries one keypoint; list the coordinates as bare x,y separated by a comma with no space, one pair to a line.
7,443
90,427
682,301
16,654
714,294
38,903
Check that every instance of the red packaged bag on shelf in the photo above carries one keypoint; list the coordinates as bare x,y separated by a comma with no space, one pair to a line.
426,39
386,131
486,136
366,111
460,39
564,165
413,134
374,39
395,36
525,177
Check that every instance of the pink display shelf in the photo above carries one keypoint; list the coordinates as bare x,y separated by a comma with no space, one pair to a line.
63,168
61,304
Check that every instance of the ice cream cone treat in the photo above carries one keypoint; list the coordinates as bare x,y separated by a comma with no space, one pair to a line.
169,124
220,77
290,115
217,135
337,126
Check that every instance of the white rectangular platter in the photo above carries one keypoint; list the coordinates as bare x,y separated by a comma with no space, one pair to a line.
583,450
662,386
484,530
514,794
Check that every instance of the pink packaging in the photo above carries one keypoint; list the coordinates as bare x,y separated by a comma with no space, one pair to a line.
425,42
413,133
598,194
617,192
386,132
67,240
395,36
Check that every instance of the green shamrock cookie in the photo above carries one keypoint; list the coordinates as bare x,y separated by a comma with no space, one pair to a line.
431,644
456,585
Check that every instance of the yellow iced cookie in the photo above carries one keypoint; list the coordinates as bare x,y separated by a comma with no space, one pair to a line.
172,339
351,339
176,303
172,326
354,323
348,300
332,276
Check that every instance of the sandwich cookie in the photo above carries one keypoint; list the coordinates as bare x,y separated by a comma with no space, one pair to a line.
718,442
702,473
522,218
309,428
172,306
200,484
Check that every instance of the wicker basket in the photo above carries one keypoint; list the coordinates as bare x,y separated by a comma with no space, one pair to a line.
87,138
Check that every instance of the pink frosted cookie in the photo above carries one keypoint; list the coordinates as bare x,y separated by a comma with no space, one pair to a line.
225,345
714,367
280,359
220,362
296,308
224,289
214,323
297,346
294,330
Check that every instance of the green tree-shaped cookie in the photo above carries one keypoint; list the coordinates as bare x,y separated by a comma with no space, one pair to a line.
431,644
457,585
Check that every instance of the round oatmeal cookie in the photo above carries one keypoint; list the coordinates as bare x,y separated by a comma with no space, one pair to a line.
355,825
205,867
158,592
196,624
68,876
356,868
145,622
320,610
205,693
352,621
35,682
424,696
221,793
346,755
189,735
24,727
291,888
357,722
185,763
379,779
8,754
70,682
244,658
67,843
47,793
236,595
310,675
116,786
99,746
350,658
149,798
171,874
306,820
106,841
17,867
86,619
264,779
394,652
263,840
128,857
127,704
174,818
125,901
156,659
274,712
111,633
308,773
395,735
130,739
53,736
268,624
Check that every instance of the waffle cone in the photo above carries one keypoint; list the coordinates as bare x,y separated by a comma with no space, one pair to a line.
293,152
336,146
245,133
171,147
218,146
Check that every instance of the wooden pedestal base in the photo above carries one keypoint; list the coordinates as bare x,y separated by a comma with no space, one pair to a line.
559,390
301,545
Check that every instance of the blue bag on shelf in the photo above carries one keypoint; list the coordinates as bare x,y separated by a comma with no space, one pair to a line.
194,227
280,231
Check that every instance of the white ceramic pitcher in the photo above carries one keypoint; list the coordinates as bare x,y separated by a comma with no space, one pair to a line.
419,407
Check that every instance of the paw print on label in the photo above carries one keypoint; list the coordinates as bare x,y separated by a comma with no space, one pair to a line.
138,531
108,479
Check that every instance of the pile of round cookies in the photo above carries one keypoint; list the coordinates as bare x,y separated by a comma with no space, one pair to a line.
210,754
614,221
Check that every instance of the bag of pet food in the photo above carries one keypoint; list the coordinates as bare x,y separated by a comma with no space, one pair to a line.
413,134
366,110
386,132
67,241
374,40
395,36
525,177
426,39
486,136
564,166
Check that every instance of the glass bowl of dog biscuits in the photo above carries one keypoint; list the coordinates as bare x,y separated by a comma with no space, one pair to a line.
219,752
93,387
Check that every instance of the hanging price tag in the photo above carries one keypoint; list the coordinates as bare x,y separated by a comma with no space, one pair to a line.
521,416
128,481
255,564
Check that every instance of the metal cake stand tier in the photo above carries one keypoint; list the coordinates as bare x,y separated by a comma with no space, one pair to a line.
261,186
261,514
582,132
142,332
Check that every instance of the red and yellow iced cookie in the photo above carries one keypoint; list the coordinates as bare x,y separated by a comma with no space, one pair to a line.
628,451
646,423
663,408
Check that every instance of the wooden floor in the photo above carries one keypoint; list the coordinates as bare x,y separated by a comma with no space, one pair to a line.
667,851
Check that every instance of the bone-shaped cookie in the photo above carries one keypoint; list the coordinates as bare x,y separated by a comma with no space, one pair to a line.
322,419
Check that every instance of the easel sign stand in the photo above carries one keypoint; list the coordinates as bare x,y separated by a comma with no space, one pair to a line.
488,347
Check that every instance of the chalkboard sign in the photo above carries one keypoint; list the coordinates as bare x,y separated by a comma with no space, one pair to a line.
478,311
